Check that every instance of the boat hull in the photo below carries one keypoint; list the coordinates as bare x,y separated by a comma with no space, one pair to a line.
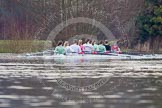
89,56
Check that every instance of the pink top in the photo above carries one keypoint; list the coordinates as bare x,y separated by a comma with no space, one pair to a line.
115,48
82,49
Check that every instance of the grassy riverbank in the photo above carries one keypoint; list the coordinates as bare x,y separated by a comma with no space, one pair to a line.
23,46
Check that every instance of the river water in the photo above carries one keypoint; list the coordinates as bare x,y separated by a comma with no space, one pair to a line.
81,84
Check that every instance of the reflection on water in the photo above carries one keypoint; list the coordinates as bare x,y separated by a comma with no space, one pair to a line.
34,84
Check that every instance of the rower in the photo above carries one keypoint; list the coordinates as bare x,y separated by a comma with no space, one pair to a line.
80,43
68,49
88,47
76,48
59,49
95,46
101,47
115,49
107,46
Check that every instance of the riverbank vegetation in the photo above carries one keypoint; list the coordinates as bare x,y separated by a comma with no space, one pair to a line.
149,23
23,46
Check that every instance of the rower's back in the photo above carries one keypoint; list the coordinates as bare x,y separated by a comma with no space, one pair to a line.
88,47
107,46
59,49
76,48
102,48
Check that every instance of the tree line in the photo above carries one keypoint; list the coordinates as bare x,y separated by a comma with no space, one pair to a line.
149,23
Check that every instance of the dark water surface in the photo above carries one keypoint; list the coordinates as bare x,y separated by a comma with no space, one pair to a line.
60,84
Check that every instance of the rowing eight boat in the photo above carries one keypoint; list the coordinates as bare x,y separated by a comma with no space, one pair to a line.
93,56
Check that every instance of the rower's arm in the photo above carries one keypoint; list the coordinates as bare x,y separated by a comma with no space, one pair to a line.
104,49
